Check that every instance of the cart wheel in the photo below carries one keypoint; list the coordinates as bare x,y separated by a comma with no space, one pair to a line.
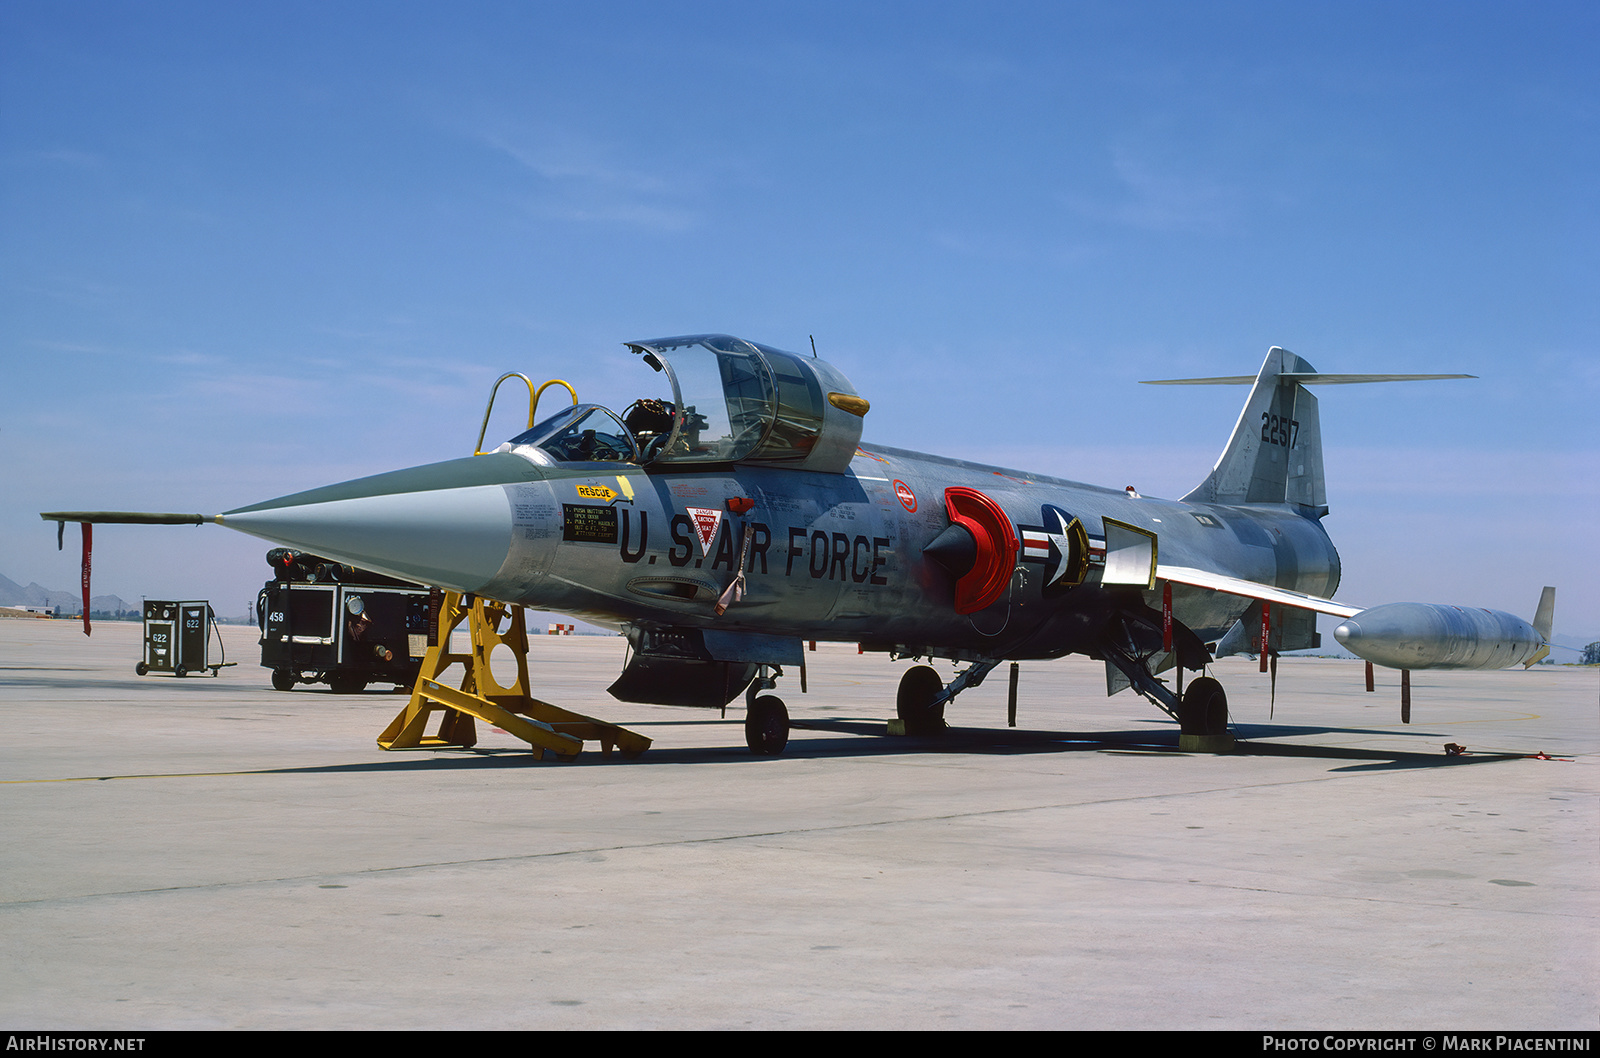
282,680
141,668
180,672
346,684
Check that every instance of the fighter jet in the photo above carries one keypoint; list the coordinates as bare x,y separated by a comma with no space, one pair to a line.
738,513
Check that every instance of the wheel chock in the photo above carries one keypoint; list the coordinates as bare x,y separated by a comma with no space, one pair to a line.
1223,743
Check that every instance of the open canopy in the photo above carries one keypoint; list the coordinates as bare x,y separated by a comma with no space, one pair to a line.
732,401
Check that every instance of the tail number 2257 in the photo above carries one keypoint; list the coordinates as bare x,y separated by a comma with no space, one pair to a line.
1277,430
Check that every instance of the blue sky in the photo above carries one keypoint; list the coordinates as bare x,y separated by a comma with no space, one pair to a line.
251,248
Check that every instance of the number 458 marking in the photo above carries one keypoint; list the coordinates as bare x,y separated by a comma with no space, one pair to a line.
1276,430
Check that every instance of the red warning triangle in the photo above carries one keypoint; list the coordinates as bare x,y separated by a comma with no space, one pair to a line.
706,522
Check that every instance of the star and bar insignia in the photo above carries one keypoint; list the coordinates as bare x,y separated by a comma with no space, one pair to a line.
1061,543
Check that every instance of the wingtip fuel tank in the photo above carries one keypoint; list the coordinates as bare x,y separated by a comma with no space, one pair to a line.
1416,635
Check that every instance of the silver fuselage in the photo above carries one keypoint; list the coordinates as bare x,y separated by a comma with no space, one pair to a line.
832,556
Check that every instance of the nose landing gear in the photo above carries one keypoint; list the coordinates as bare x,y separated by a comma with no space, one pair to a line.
766,720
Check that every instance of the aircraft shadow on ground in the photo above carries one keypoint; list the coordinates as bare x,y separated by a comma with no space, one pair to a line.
866,738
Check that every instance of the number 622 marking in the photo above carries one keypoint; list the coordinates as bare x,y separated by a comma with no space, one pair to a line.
1276,430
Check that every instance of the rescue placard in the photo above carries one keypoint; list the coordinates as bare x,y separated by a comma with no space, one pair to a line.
588,525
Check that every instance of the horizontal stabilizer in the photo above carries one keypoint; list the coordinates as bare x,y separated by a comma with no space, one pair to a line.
1304,378
1275,453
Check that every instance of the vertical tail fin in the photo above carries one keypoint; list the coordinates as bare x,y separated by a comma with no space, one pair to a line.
1275,453
1544,619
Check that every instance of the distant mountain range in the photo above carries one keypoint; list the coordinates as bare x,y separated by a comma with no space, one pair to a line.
13,594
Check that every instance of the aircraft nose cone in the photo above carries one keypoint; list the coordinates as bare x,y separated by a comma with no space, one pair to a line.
455,538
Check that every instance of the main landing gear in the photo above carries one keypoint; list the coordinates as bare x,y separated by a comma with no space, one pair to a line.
1203,710
1135,648
1203,718
919,705
920,701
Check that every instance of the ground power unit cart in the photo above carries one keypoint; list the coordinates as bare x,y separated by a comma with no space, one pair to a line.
177,638
325,622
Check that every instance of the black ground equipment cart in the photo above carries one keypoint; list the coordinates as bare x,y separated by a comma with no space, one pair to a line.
324,622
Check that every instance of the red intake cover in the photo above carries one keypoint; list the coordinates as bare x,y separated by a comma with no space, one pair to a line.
997,547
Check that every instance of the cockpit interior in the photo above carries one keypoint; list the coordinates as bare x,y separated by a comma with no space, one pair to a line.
733,401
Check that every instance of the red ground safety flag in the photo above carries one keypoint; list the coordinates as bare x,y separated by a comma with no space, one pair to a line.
87,538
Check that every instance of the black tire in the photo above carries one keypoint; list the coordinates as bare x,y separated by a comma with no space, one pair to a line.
282,680
180,672
1204,709
914,703
142,669
346,684
766,726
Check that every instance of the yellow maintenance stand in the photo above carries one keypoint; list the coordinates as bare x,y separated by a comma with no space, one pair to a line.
549,729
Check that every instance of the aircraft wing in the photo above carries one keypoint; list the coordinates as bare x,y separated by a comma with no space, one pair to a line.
1201,578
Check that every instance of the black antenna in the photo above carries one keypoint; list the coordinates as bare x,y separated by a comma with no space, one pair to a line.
813,345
